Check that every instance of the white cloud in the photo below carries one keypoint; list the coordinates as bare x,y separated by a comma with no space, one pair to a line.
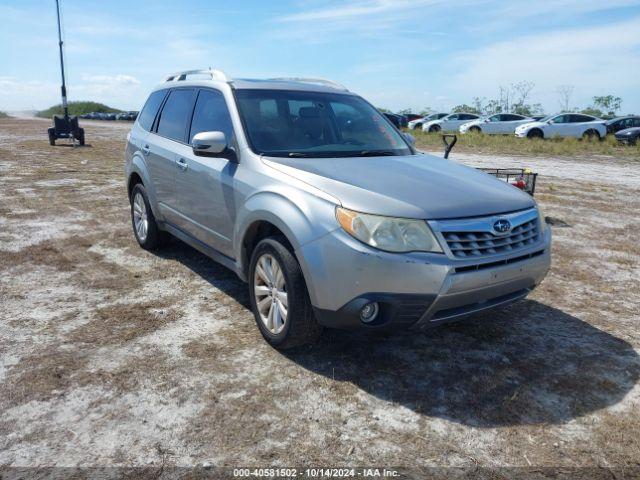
356,9
110,81
596,60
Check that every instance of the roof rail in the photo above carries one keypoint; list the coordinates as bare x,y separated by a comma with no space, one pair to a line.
180,76
319,81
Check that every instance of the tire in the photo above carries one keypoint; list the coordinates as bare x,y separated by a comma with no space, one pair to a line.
417,126
475,130
535,133
52,136
81,136
149,236
274,275
591,135
434,128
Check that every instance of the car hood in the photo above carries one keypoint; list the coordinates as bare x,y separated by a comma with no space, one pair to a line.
628,131
531,125
431,122
412,186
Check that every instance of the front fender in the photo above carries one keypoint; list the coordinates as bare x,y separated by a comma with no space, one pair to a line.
300,216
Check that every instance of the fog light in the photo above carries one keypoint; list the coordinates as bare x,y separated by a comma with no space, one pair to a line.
369,312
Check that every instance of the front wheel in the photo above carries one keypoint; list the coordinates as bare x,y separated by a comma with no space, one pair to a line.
279,297
434,128
535,133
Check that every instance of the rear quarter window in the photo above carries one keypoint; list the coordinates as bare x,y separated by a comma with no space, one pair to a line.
150,109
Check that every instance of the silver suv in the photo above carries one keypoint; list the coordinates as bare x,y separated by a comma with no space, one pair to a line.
329,213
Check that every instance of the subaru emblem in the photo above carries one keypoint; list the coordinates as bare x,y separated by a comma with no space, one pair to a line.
502,226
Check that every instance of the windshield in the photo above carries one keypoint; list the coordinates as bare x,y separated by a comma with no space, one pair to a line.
548,117
316,124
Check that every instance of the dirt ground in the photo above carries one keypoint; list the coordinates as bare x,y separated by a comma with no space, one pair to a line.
111,355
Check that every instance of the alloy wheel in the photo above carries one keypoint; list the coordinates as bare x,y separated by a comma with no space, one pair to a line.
270,290
140,218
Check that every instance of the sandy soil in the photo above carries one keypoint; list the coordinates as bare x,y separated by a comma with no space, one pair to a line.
111,355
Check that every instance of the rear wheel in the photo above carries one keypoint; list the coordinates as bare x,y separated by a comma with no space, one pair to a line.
52,136
145,227
434,128
591,135
535,133
475,130
279,296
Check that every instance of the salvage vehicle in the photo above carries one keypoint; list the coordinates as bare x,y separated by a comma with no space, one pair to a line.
310,195
418,122
499,123
576,125
621,123
450,123
628,136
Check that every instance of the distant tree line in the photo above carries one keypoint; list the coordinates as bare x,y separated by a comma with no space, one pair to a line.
77,108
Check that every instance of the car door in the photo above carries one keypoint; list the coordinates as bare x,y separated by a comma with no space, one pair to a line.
580,124
492,124
205,185
450,122
560,126
168,135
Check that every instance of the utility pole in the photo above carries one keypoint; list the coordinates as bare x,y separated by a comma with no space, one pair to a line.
64,87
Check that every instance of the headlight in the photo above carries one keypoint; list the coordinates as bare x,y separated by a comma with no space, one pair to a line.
388,233
541,217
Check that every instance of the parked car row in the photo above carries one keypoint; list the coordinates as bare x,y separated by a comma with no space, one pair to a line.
578,125
128,116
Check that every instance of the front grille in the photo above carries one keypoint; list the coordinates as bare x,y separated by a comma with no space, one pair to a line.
480,244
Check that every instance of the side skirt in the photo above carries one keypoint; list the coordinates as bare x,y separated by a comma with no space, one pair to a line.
202,247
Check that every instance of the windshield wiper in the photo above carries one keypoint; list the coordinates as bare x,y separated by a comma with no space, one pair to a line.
376,153
298,154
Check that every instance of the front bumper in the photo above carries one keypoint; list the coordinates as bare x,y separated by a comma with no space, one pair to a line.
419,288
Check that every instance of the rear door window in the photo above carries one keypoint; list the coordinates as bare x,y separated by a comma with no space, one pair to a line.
150,109
174,118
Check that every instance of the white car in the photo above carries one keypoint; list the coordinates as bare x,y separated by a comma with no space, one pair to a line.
418,122
576,125
450,123
499,123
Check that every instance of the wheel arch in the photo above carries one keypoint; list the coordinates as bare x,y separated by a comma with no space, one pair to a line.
269,213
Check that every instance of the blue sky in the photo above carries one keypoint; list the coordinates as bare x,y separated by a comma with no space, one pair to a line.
396,53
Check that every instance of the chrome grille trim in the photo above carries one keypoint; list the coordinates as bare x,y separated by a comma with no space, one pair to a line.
475,238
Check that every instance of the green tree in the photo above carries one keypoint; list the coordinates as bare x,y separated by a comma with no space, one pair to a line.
426,111
466,108
608,104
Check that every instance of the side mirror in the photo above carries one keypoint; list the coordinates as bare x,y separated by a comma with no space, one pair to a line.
486,120
209,144
410,138
549,122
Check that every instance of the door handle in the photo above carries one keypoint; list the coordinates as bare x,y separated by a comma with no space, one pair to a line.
182,164
146,150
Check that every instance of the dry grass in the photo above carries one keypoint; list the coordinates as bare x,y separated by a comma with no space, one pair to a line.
509,144
113,355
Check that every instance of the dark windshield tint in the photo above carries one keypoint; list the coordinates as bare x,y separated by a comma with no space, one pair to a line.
316,124
150,109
